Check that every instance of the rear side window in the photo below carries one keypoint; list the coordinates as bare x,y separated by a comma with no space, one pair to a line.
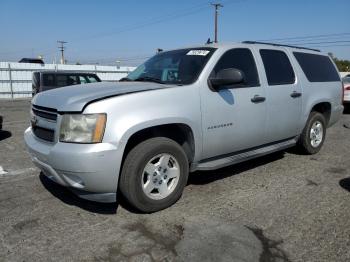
83,80
317,68
92,79
49,80
242,59
278,68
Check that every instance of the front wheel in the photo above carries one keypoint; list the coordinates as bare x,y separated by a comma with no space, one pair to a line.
154,174
314,133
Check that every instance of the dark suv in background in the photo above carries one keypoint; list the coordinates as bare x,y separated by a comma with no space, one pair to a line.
47,80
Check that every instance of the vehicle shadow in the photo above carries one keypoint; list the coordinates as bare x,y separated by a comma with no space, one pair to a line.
4,134
67,197
196,178
345,183
206,177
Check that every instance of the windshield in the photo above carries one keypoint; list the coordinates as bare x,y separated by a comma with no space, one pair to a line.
173,67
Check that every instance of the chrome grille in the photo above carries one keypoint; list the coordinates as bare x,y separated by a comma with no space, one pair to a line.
44,121
45,112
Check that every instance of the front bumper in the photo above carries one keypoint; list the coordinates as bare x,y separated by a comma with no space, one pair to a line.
89,170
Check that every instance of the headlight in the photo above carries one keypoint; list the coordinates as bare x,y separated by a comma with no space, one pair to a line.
76,128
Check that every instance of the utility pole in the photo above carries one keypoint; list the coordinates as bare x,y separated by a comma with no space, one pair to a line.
61,48
216,6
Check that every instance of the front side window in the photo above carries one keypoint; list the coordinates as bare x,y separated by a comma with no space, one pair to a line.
173,67
278,68
242,59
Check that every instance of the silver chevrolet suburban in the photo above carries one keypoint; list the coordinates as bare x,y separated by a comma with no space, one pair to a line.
198,108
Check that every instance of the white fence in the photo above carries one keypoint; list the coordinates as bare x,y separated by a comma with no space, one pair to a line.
16,78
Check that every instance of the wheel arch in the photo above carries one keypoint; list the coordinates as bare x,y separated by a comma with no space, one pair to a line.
323,107
180,132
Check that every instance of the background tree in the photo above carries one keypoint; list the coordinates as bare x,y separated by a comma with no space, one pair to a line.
343,65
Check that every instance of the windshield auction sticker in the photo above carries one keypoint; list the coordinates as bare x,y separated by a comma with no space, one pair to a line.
198,52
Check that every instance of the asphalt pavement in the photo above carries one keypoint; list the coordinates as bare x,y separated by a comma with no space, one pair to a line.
281,207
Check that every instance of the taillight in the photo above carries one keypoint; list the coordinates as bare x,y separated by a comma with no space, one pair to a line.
343,95
347,88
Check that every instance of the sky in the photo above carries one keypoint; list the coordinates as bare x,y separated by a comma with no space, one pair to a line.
106,31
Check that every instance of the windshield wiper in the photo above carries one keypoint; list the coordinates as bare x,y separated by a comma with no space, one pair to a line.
149,79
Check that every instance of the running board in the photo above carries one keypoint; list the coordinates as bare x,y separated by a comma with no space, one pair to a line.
240,157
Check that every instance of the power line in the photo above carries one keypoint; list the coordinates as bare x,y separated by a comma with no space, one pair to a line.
168,17
321,46
165,18
312,39
305,37
171,16
324,42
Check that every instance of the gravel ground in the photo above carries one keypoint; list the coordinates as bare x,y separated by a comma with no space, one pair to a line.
282,207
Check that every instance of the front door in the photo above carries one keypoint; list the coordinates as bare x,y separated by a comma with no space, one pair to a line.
234,117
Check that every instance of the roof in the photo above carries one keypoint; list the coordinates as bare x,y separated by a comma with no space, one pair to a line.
87,72
256,43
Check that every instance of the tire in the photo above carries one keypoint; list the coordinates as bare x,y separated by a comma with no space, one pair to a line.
306,143
151,155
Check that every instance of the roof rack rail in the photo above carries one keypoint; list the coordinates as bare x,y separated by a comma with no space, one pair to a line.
274,44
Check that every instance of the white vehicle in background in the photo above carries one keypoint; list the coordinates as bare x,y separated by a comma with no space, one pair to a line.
346,84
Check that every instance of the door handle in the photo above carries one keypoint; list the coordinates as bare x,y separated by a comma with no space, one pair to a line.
258,99
295,94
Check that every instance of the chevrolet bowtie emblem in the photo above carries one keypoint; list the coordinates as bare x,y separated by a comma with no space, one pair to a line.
34,120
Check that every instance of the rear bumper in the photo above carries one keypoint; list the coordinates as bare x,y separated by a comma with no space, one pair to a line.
336,115
89,170
347,97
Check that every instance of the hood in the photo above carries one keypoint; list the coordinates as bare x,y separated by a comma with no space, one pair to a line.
74,98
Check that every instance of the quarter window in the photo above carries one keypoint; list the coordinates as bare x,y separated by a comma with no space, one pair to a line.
278,68
317,68
242,59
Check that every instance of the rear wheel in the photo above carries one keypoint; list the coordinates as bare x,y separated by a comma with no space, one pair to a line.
154,174
314,133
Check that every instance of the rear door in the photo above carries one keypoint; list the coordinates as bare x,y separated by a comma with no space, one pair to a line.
283,95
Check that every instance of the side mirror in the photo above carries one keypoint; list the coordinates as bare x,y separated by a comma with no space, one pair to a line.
227,77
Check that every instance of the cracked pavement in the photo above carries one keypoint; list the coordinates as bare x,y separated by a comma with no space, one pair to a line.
281,207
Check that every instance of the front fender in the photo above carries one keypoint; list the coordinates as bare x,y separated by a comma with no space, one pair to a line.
197,134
